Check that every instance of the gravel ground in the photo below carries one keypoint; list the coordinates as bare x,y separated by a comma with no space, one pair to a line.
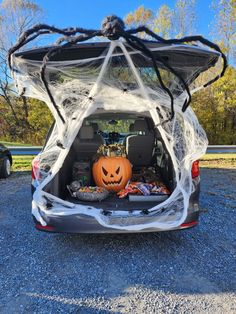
191,271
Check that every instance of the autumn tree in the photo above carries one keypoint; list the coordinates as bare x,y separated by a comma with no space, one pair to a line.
166,22
219,116
224,26
162,22
15,17
139,17
184,18
215,107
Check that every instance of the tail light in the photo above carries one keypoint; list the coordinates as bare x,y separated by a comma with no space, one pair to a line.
195,169
35,173
188,224
44,228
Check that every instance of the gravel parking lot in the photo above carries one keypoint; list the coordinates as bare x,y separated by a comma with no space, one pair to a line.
191,271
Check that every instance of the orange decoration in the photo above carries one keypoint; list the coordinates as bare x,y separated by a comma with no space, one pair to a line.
112,173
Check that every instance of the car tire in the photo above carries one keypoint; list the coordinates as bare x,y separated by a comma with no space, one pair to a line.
5,171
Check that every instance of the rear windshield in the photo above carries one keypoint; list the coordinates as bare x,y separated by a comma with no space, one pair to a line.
112,125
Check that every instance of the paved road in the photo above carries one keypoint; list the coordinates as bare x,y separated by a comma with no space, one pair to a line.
189,271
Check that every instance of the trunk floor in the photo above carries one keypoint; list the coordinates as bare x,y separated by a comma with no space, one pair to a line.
115,203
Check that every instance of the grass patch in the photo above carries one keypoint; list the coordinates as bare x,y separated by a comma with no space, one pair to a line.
219,156
22,163
9,144
218,161
221,163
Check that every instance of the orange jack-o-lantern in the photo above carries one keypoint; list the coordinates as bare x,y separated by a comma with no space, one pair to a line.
112,173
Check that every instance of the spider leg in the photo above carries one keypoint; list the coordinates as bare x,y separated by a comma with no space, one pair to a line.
183,40
147,31
40,29
138,44
52,52
184,84
114,28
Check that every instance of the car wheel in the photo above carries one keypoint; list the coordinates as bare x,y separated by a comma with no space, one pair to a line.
6,168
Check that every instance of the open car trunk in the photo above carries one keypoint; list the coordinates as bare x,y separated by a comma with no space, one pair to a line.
160,168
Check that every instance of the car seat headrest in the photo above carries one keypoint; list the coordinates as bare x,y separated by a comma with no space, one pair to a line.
86,132
95,126
140,125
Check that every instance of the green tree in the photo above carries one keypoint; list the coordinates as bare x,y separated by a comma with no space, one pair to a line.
40,119
218,117
215,107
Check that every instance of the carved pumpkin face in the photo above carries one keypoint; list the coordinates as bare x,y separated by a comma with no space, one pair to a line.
112,173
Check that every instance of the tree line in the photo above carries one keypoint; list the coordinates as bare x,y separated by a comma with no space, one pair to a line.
27,120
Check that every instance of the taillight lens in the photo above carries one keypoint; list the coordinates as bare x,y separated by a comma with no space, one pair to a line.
188,224
195,169
35,173
45,228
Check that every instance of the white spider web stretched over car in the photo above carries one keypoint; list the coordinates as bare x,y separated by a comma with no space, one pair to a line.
121,79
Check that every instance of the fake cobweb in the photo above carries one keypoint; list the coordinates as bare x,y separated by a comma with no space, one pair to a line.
121,78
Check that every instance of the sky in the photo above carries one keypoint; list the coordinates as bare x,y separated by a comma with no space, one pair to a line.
89,14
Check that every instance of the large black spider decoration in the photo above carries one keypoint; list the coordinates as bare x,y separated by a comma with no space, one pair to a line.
113,28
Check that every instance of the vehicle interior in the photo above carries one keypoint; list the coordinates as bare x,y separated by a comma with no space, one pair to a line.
144,148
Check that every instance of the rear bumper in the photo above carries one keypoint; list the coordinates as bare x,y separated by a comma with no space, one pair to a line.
82,223
86,224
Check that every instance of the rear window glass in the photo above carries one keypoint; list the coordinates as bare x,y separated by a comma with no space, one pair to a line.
121,126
